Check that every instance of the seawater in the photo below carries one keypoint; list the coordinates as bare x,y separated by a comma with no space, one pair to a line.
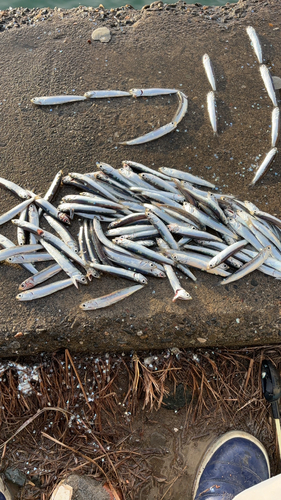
69,4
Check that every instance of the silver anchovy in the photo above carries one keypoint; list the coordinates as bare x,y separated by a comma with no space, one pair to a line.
21,235
83,207
128,219
209,71
226,253
162,229
268,83
114,173
30,257
143,251
43,291
63,232
14,211
56,99
211,106
230,261
101,94
199,261
110,299
151,92
186,176
182,108
55,184
275,126
33,218
208,221
119,231
159,183
136,180
102,238
65,264
192,233
91,200
255,42
6,243
262,169
249,267
94,185
179,291
123,273
142,168
47,207
14,188
40,277
11,251
151,136
52,239
135,263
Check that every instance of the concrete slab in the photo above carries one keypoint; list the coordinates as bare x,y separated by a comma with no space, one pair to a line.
162,47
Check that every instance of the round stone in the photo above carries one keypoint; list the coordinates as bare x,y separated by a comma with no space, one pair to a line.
102,34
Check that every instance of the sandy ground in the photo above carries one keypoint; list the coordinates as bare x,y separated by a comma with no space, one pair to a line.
159,47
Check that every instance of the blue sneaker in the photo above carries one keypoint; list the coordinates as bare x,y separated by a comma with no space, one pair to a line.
233,463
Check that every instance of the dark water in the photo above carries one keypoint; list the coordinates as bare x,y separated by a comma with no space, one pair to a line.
68,4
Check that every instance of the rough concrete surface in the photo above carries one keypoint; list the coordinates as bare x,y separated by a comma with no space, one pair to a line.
163,47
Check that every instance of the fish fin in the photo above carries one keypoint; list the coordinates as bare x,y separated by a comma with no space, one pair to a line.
75,282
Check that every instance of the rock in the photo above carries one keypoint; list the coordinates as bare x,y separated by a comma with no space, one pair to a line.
277,82
178,399
15,476
80,488
102,34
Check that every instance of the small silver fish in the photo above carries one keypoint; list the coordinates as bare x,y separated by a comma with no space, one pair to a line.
57,99
251,32
179,291
151,136
209,71
268,83
43,291
211,105
40,277
274,126
250,266
151,92
182,108
110,299
101,94
261,170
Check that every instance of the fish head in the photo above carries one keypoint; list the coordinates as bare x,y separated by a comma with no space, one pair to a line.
158,273
64,218
25,296
182,295
25,285
140,278
136,92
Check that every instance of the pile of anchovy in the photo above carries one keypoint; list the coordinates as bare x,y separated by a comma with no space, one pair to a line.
157,222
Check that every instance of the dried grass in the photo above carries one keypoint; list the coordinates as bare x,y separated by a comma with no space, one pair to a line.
80,415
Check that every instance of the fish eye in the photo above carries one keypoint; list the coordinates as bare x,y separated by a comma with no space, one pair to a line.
83,305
